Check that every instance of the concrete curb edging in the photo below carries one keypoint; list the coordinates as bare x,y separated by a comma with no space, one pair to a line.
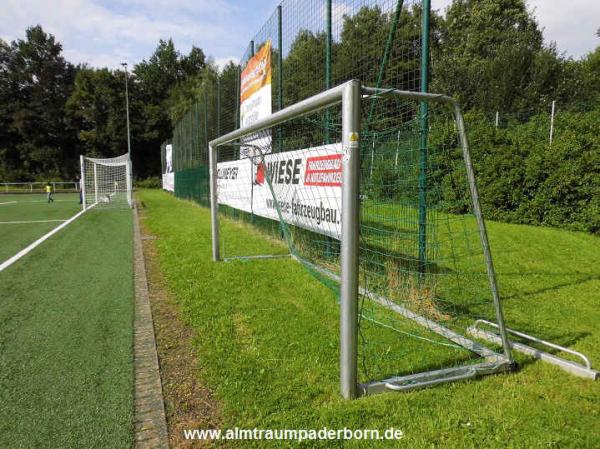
149,411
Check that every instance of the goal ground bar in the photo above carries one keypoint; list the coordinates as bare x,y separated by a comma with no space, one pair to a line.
431,378
582,370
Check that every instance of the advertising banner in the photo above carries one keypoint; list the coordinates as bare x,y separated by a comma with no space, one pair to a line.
307,184
168,178
234,184
255,96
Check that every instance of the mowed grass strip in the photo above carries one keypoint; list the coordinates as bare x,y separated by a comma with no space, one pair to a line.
267,341
31,207
66,319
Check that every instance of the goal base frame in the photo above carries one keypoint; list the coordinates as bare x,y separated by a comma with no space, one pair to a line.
431,378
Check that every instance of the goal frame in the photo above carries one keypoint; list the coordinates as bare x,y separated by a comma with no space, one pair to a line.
350,95
128,180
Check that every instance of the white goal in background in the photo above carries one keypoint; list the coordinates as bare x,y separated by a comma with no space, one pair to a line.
106,182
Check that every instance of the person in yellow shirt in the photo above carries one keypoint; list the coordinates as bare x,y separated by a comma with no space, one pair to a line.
49,193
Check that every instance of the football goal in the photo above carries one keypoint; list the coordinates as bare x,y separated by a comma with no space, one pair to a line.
106,182
373,191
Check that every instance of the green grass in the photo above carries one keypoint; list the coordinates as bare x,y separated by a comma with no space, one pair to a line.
31,207
66,318
267,340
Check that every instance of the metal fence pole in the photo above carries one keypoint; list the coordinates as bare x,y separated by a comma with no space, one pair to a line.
351,98
218,105
279,74
328,39
424,131
214,207
386,56
552,121
497,118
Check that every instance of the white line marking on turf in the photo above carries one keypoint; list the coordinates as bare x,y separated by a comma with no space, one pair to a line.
33,221
8,202
7,263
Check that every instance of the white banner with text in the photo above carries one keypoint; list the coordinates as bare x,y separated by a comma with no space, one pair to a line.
307,185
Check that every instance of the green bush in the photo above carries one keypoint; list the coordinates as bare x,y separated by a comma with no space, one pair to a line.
520,176
524,179
153,182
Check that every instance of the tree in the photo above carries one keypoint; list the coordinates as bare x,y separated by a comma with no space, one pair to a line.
150,100
591,76
489,54
36,83
96,109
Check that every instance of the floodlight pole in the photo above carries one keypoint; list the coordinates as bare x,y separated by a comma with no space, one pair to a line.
124,64
129,174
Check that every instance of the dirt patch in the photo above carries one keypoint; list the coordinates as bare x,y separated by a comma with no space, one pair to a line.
188,403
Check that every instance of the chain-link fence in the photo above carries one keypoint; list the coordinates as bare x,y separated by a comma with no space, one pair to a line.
315,44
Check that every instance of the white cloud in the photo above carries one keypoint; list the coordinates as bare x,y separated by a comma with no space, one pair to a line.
222,62
104,33
572,24
94,33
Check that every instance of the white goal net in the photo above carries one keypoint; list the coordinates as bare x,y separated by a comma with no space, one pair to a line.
106,182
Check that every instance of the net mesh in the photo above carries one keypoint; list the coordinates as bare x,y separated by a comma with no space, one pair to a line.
422,273
106,182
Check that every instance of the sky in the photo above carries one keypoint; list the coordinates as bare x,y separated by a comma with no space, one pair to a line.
106,33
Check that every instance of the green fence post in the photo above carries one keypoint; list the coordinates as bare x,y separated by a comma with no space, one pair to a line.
236,125
206,140
279,75
386,55
218,105
327,67
252,217
327,124
424,125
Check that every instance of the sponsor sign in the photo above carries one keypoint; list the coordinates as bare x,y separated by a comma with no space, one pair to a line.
234,186
255,97
307,185
168,178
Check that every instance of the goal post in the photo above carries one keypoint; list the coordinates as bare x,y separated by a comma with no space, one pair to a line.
106,182
361,249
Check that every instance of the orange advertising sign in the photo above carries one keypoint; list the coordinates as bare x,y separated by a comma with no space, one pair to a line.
257,73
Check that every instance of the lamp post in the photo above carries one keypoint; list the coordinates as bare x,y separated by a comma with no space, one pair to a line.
124,64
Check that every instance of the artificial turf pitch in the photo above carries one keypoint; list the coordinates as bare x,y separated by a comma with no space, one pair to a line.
66,329
25,218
